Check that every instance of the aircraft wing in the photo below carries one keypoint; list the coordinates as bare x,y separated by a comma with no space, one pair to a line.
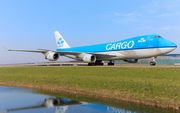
62,52
37,51
77,53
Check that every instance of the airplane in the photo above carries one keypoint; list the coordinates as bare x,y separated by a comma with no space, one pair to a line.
128,50
61,105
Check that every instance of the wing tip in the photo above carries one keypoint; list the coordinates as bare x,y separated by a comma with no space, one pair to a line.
5,48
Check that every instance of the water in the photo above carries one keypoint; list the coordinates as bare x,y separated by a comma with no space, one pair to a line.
22,100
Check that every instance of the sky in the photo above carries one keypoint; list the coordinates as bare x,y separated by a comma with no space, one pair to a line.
30,24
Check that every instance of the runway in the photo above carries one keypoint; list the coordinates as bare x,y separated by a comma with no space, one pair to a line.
85,64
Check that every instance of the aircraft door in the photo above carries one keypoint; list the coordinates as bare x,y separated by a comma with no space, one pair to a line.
152,42
157,42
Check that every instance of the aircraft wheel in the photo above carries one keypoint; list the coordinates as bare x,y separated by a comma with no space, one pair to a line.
91,64
152,63
99,63
111,64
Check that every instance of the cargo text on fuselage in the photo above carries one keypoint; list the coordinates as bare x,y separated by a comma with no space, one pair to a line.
120,45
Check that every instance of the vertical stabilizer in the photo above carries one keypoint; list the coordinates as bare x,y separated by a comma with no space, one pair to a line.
61,43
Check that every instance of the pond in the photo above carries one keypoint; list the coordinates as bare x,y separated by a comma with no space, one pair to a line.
23,100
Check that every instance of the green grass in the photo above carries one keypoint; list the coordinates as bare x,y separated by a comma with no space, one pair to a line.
155,84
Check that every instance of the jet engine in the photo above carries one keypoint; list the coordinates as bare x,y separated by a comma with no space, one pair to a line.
51,56
89,58
51,102
131,60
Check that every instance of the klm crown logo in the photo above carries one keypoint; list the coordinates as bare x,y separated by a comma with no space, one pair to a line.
60,42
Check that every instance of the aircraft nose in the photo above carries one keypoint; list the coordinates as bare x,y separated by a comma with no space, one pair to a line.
167,46
173,45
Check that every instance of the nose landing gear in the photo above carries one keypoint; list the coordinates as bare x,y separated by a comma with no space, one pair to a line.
153,62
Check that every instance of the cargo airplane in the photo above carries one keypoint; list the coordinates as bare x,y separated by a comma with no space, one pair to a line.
128,50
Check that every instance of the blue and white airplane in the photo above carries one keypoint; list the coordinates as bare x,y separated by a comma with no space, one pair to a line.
129,50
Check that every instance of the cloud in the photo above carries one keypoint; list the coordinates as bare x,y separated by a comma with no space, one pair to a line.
161,5
123,18
117,14
170,14
125,15
166,28
170,28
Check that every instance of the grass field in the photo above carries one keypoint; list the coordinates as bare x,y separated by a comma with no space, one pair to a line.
150,85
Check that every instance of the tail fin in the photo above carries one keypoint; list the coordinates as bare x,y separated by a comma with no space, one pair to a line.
61,43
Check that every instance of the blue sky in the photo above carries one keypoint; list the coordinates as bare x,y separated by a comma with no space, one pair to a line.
30,24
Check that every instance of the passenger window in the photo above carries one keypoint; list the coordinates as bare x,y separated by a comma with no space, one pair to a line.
157,37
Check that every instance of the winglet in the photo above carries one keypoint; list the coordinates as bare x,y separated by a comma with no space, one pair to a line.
5,48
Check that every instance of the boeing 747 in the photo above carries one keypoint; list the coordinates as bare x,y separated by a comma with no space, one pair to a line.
128,50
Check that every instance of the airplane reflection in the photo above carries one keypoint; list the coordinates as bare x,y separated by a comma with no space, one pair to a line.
61,104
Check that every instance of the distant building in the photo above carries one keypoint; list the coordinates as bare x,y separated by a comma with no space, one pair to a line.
168,59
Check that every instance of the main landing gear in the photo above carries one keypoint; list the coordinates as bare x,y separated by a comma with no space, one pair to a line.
91,64
110,63
100,63
153,63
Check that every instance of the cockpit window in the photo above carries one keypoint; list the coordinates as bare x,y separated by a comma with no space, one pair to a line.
157,37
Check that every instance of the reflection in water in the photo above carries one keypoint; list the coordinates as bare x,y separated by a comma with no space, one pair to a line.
60,104
115,110
21,100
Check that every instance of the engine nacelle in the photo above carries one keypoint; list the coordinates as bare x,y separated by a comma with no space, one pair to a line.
51,102
89,58
131,60
51,56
